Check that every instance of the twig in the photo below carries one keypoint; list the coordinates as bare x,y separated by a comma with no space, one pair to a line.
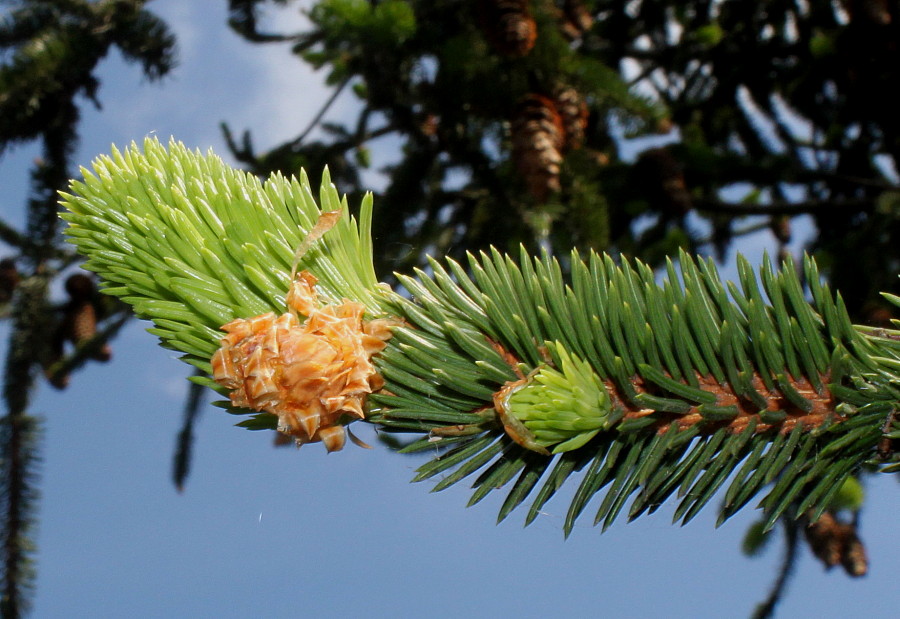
782,208
322,111
792,538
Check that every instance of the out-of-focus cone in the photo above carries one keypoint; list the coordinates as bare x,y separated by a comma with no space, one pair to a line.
508,26
837,543
538,136
575,19
573,111
78,324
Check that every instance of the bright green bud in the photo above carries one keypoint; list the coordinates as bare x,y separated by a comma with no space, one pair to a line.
565,409
710,35
821,45
850,496
756,538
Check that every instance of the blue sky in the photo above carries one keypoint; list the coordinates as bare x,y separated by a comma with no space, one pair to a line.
265,532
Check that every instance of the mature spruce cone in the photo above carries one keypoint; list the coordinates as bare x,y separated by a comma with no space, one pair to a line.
80,314
573,112
538,136
82,326
575,19
508,26
78,324
9,279
837,543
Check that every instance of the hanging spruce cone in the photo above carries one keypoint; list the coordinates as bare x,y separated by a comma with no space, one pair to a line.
575,19
665,185
80,318
508,26
837,543
537,139
573,111
9,279
77,325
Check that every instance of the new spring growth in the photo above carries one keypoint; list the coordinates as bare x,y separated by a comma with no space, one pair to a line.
560,410
311,366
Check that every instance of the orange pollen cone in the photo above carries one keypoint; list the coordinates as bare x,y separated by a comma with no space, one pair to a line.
312,374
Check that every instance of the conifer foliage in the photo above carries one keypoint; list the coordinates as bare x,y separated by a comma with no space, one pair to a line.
770,111
494,92
508,25
49,52
524,374
509,368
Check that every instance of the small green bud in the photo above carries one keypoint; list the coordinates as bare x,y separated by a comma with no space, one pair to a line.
756,538
709,35
565,409
850,496
363,156
821,45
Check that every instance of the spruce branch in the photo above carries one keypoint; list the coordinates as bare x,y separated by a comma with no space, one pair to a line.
19,447
19,470
525,371
785,208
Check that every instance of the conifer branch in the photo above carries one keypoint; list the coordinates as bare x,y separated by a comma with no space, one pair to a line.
766,608
520,370
19,446
784,208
